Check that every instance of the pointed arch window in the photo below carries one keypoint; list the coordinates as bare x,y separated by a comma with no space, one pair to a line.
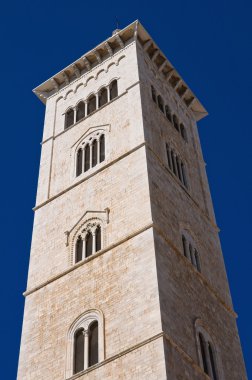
80,111
183,131
207,354
103,96
113,89
69,118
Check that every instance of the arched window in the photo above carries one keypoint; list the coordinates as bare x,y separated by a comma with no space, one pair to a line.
173,162
189,250
102,148
160,103
168,153
91,105
98,239
203,352
113,89
79,351
79,162
85,342
78,249
168,113
153,94
87,158
103,97
175,122
183,131
94,153
212,361
80,113
89,244
93,344
179,169
207,354
69,118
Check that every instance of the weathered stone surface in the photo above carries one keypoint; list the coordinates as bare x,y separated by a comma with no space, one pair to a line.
149,294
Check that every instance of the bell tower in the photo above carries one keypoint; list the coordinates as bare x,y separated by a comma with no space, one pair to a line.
126,277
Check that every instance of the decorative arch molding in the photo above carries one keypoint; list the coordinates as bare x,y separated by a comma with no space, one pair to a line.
88,222
209,339
84,321
89,132
85,81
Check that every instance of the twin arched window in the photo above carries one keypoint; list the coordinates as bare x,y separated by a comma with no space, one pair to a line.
207,356
190,252
176,165
94,101
88,244
91,154
86,347
166,110
85,342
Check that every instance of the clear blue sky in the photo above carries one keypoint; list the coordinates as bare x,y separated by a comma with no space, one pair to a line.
209,42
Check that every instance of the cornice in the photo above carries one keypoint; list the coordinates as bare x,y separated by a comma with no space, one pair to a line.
119,40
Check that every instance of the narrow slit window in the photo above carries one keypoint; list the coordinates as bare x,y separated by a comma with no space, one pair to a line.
103,97
160,103
69,118
168,113
98,239
87,158
79,162
173,162
91,106
175,122
196,255
179,169
168,156
203,353
183,131
102,148
79,249
184,175
94,153
212,361
80,114
89,244
79,351
93,344
184,245
113,89
153,94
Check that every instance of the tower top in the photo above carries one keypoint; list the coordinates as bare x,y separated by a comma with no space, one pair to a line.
119,40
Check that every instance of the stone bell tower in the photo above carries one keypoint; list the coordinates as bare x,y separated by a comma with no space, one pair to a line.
126,276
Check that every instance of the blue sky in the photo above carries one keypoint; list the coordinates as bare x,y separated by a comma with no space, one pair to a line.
209,43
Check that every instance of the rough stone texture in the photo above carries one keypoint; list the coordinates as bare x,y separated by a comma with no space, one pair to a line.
148,292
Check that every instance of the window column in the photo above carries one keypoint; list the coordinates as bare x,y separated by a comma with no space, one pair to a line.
86,348
94,242
108,92
97,100
86,107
